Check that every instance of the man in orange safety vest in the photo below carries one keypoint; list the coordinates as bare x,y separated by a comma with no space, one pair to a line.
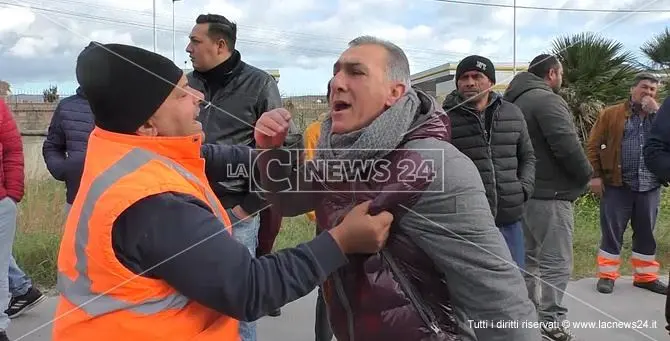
147,253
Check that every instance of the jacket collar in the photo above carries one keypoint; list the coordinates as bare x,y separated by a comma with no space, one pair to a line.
430,120
222,72
628,107
455,100
177,148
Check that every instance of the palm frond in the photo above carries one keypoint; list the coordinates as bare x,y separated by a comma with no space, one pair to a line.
596,72
657,49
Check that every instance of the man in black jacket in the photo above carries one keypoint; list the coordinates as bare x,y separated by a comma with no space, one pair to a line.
239,93
492,133
657,149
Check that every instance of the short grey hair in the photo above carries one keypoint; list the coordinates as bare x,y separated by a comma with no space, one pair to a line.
642,76
397,68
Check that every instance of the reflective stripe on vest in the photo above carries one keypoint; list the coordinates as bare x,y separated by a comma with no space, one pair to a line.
79,291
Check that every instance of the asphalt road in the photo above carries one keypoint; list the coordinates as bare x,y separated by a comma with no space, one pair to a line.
593,316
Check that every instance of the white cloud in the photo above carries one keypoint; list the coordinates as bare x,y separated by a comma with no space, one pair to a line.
458,45
32,47
132,5
224,7
15,19
112,36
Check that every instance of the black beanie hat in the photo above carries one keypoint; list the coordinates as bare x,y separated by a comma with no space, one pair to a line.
476,63
124,84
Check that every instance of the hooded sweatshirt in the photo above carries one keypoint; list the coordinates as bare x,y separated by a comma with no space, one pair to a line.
562,168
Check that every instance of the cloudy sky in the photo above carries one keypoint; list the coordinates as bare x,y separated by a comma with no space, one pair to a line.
39,40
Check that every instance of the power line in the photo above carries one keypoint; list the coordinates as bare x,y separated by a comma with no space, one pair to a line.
295,50
559,9
299,51
301,35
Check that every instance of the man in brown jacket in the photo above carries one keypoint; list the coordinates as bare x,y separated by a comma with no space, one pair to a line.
628,190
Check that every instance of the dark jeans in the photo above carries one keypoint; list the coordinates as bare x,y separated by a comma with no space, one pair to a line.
620,205
513,234
322,330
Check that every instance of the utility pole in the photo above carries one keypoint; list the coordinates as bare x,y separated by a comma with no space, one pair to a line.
514,44
155,36
173,32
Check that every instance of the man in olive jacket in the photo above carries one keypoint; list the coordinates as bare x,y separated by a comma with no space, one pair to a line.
492,132
562,175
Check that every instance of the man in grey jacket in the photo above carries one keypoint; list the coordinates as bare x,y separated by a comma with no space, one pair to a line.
445,273
562,175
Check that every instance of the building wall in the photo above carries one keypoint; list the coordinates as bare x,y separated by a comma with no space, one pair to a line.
32,117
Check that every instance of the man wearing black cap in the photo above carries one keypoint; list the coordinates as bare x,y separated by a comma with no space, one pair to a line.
147,252
493,133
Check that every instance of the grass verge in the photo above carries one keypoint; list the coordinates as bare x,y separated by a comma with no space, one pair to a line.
587,237
41,218
39,227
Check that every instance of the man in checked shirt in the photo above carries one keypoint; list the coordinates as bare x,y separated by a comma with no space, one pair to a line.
628,190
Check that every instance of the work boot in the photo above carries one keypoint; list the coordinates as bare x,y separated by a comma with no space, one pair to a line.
605,285
654,286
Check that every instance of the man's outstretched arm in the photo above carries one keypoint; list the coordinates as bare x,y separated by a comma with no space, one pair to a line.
186,245
225,161
230,162
285,181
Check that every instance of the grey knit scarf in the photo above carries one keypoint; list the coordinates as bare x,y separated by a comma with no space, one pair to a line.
374,141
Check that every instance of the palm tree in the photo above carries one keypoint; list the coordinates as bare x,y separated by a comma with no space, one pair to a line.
657,50
596,72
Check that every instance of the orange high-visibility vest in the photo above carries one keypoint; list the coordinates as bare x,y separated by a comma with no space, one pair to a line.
99,297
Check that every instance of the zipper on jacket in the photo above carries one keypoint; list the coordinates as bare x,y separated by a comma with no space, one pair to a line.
425,313
493,165
339,287
210,104
488,137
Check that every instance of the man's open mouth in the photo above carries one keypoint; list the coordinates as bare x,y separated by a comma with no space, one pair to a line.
340,105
